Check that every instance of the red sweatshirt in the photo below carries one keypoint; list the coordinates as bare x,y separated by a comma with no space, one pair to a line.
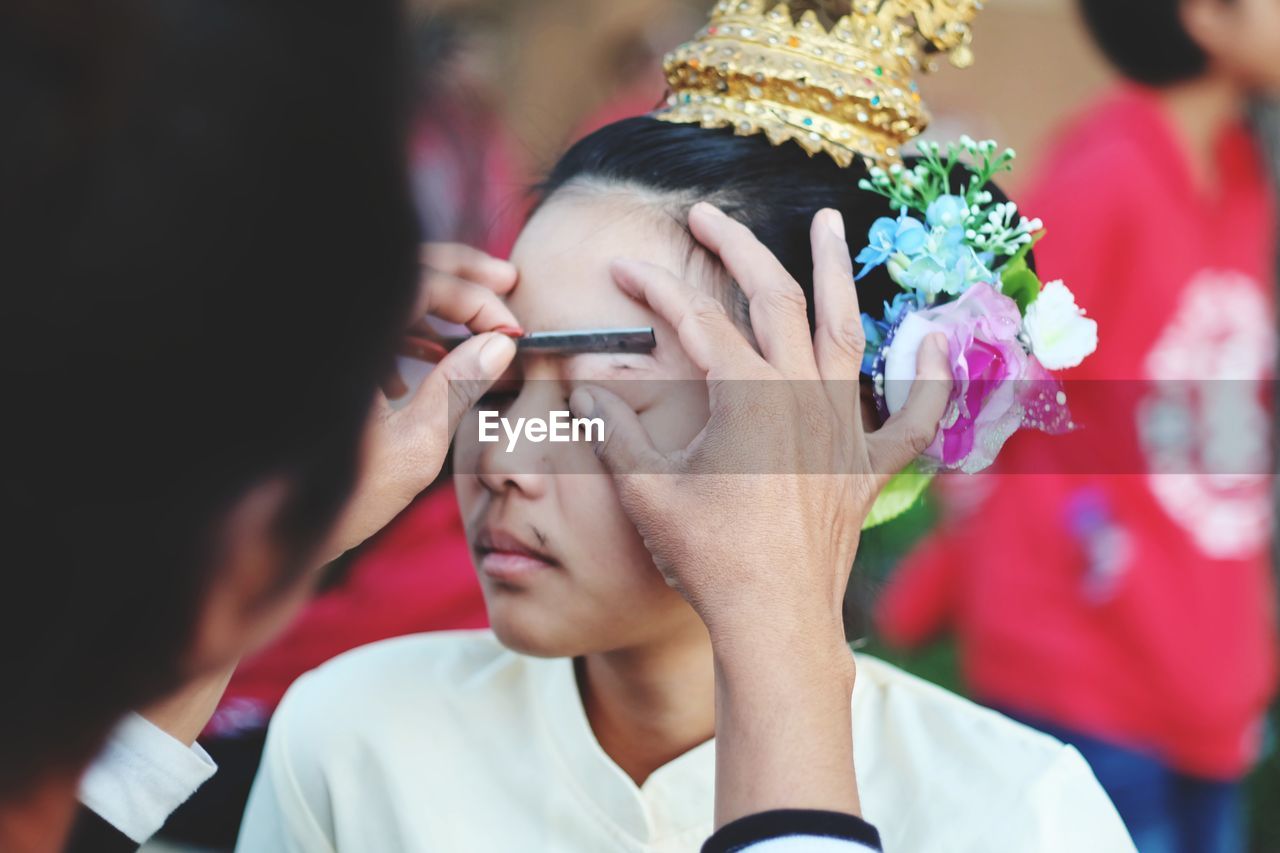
1123,587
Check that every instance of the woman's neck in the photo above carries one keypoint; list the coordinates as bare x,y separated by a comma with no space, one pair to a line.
650,705
1199,110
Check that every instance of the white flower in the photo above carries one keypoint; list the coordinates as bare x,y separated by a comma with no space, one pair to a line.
1061,336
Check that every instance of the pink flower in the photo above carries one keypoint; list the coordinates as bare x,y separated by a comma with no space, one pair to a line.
989,397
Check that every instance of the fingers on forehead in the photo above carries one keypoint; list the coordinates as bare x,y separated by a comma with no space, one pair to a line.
748,261
703,325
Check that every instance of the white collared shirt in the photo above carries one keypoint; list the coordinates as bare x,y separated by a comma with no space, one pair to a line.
450,742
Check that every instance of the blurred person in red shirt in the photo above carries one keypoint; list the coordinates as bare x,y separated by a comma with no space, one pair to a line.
1116,590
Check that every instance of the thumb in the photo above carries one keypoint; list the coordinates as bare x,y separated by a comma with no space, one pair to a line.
910,432
626,447
461,378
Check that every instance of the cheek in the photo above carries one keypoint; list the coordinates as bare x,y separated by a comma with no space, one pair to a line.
1270,49
1257,39
466,459
610,557
600,528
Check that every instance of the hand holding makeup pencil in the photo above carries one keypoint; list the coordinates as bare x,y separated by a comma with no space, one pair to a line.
764,558
405,448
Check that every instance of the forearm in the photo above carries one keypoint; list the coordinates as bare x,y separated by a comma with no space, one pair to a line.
184,714
783,723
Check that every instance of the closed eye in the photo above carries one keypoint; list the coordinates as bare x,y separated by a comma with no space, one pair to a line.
600,366
500,395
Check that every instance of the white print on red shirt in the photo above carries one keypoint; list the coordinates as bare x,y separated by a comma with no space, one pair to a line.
1203,423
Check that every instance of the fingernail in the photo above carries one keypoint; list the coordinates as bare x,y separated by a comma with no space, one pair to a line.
582,403
939,342
496,354
509,331
623,272
835,221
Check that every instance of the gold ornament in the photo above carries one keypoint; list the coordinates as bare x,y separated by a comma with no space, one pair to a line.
848,89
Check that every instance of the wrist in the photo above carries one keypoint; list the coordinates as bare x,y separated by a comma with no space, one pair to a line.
780,630
798,607
818,654
784,720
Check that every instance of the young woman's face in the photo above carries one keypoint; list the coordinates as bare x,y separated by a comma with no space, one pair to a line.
564,572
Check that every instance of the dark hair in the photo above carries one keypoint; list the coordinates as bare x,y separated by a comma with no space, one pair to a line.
774,190
208,249
1145,39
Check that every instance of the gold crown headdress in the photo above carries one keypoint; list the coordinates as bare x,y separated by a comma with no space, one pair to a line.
847,90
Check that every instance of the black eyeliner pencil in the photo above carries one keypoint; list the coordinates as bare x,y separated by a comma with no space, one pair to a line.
575,342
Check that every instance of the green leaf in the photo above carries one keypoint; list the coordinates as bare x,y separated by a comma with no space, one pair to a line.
1018,264
1020,285
899,495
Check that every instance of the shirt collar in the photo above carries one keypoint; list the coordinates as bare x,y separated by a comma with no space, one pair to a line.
678,799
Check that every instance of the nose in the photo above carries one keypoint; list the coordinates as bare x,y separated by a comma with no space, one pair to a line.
526,467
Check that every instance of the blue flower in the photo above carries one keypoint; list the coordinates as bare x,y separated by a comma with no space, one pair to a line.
877,332
946,264
948,211
888,237
902,305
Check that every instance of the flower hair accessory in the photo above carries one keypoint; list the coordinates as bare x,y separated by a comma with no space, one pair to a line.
839,77
961,261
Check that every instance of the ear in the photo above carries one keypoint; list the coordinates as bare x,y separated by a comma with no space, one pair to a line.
244,605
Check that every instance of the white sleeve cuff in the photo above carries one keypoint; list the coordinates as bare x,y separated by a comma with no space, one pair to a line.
141,776
809,844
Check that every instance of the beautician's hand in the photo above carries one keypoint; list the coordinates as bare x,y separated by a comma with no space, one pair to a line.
406,447
764,558
696,503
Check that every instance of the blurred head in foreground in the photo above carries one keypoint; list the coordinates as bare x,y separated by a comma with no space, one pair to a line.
207,249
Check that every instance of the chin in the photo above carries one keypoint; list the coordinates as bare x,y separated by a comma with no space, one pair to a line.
531,635
537,644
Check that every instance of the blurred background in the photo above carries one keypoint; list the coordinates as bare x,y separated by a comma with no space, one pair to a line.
531,76
503,87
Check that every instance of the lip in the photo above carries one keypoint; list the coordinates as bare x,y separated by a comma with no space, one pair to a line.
503,556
